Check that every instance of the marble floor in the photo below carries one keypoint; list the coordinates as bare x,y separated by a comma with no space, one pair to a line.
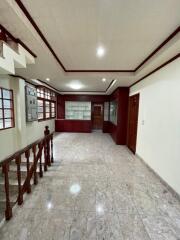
95,190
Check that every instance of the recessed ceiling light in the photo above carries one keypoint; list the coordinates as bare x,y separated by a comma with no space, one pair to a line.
104,79
75,84
100,51
48,79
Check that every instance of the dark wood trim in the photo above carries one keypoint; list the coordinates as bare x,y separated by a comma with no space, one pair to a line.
27,14
99,70
49,85
17,40
157,69
171,36
21,5
139,80
25,79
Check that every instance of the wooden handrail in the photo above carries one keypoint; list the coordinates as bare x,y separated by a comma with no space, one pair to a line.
20,152
36,148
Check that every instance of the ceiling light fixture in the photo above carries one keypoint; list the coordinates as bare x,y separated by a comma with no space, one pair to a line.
104,79
48,79
75,84
100,51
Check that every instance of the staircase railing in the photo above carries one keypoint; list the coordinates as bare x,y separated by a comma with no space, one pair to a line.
42,148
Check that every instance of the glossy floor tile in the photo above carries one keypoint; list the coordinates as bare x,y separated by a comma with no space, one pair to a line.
95,190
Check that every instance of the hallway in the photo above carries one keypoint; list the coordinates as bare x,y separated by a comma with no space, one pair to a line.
95,190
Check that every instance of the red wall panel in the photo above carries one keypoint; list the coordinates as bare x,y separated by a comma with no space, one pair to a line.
63,125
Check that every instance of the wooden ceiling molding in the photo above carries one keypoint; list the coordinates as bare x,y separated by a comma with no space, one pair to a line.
17,40
32,21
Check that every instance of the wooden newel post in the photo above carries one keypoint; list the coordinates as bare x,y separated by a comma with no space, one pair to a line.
47,146
20,194
8,210
46,131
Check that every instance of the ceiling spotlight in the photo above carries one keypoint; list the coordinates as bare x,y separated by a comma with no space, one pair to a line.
104,79
100,51
48,79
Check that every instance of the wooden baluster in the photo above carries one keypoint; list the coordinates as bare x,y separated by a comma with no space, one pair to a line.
40,160
45,156
8,210
20,194
46,133
35,165
52,157
27,155
48,152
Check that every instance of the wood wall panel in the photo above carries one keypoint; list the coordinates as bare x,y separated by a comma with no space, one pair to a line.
63,125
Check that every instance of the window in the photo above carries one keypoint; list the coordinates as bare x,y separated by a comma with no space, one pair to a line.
46,103
113,112
78,110
6,109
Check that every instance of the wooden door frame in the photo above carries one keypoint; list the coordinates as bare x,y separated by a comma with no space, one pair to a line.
138,95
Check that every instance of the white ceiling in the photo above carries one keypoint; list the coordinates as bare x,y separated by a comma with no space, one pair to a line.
129,30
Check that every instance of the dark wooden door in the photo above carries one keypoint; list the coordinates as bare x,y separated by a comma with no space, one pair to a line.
133,122
97,116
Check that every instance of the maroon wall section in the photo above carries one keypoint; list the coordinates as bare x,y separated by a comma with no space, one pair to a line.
62,98
62,125
118,132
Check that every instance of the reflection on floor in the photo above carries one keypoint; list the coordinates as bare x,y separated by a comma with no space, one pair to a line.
95,190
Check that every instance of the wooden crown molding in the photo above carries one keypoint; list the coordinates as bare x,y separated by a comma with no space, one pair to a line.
17,40
32,21
157,69
111,83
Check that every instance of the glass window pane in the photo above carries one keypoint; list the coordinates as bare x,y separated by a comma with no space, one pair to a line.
1,123
0,93
7,103
113,112
0,103
40,116
40,109
6,94
8,123
40,103
1,113
7,113
47,104
47,115
78,110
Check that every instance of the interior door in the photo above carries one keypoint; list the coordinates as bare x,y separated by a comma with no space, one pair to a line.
133,122
97,116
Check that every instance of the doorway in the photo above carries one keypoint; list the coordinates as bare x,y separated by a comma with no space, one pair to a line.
97,116
133,122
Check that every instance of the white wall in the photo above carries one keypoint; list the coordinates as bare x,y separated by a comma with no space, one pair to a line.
158,139
24,133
